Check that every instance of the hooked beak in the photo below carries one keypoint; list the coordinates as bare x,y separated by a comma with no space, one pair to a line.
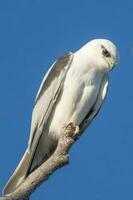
113,62
117,59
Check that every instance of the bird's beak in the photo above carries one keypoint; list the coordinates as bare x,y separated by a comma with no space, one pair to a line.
117,59
114,61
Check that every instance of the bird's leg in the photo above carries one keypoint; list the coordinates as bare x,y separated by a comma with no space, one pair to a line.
73,130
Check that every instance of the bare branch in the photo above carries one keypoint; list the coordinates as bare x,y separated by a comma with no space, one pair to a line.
59,159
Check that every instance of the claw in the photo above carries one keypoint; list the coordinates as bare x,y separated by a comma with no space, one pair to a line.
71,126
74,129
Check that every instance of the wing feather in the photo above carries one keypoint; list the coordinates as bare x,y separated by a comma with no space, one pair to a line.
55,72
97,105
46,98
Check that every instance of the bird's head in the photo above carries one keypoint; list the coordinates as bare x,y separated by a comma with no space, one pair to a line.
102,53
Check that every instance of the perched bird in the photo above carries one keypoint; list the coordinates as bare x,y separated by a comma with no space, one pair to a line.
71,93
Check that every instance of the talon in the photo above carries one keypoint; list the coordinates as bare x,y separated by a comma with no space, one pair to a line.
77,130
74,129
71,126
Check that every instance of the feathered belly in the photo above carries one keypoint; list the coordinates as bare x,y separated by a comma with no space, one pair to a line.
77,97
72,106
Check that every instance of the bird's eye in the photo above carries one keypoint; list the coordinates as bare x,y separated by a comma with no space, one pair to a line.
106,53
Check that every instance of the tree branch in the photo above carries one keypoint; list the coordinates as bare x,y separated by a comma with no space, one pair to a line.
59,159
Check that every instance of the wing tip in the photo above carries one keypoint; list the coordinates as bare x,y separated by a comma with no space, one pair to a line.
18,176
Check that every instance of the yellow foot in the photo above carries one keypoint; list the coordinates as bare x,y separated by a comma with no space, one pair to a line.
73,129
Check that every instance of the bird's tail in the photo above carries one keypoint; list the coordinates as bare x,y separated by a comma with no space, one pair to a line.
18,176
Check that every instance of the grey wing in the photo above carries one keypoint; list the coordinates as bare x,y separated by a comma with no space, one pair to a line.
46,98
47,95
97,105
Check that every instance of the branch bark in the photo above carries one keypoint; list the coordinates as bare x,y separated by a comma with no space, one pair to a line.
59,159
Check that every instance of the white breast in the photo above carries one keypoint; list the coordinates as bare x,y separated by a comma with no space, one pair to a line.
79,94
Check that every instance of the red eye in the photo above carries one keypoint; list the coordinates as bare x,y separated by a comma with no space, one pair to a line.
106,53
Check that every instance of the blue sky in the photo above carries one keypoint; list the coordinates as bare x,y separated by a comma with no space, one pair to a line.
33,33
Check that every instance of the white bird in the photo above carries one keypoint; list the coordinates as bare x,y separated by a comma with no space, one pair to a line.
71,92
